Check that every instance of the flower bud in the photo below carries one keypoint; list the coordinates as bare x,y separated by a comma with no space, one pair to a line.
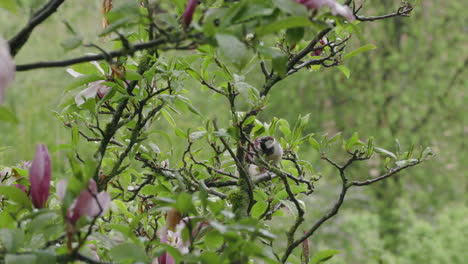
188,13
39,176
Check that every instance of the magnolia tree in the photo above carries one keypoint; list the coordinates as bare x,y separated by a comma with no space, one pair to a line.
130,198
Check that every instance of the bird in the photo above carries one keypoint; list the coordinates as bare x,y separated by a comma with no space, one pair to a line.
266,147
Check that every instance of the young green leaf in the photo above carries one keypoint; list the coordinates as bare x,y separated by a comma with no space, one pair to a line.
323,256
359,50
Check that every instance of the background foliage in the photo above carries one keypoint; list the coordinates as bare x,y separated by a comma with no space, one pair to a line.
410,88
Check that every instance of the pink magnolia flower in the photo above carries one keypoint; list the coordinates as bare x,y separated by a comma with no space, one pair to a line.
94,89
89,203
39,176
189,10
165,258
336,8
173,234
7,68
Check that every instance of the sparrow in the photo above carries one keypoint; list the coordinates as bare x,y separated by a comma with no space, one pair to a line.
268,148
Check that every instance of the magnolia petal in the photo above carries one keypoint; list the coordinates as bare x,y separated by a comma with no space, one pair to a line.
87,93
93,249
103,90
39,175
165,258
343,11
61,188
336,8
94,88
316,4
101,205
7,68
83,201
74,73
90,203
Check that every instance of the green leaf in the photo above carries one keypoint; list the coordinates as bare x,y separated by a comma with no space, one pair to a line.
184,203
168,117
16,195
44,257
352,141
258,209
359,50
284,128
334,138
323,256
385,152
210,257
20,259
370,146
289,22
294,35
291,7
7,115
71,43
345,70
6,220
11,239
180,133
132,76
86,68
128,251
42,220
279,63
427,153
314,143
213,240
75,136
402,163
234,132
232,48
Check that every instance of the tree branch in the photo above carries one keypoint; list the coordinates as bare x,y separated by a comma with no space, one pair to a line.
88,58
383,177
307,49
404,10
18,41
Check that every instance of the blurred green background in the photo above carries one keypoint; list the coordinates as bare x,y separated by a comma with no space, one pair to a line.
411,88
